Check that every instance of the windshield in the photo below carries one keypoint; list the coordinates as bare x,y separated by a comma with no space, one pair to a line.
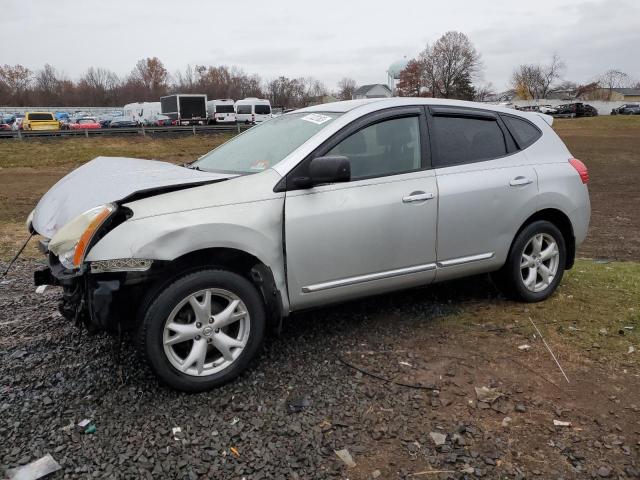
264,146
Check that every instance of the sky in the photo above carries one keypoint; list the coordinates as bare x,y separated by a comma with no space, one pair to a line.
327,40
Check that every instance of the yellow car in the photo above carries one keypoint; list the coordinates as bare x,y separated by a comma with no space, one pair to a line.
40,121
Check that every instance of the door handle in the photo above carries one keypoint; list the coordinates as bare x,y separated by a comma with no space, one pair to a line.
520,181
417,197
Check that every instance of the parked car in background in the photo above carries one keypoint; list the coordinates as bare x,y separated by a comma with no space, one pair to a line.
253,110
221,111
38,121
104,120
576,110
547,109
158,120
84,123
627,109
62,116
123,122
368,196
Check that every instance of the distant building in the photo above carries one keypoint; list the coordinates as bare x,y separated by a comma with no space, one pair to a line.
393,73
614,94
376,90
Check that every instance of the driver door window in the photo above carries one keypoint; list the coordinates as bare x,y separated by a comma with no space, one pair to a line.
386,148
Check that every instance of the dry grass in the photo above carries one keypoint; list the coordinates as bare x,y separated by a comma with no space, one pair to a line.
28,168
72,152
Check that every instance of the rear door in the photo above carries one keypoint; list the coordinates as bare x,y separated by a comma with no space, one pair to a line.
487,188
375,233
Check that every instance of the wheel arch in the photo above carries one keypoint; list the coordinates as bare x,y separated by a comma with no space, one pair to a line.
234,260
241,262
560,220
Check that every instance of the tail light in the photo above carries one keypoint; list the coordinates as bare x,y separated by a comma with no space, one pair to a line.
581,168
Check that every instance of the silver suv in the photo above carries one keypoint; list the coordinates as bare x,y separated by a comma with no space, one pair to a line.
320,205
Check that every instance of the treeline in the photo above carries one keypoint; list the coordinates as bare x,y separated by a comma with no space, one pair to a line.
148,81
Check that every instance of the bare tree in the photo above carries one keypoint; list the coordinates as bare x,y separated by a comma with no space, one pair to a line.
534,81
151,74
483,92
16,80
549,73
47,86
613,79
346,87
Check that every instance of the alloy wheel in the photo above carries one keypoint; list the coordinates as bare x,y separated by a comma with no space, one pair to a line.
206,332
539,262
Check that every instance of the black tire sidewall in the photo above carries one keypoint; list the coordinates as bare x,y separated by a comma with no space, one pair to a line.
166,300
513,264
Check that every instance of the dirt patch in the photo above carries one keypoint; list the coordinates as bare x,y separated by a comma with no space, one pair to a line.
610,147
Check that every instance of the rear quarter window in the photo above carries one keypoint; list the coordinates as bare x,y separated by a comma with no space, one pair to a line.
523,131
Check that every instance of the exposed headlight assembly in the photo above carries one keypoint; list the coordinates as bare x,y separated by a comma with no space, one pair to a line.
72,241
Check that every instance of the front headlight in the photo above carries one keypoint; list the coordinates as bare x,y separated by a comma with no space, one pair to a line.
71,242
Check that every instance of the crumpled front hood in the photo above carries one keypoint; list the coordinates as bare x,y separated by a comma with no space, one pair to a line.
108,179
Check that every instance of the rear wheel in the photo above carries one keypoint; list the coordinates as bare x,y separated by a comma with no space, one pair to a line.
535,264
203,330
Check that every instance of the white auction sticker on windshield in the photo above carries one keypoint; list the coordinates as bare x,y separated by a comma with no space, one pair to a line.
316,118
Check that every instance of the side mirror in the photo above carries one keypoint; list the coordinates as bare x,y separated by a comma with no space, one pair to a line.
329,169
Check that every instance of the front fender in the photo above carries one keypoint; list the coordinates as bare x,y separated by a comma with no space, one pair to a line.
252,227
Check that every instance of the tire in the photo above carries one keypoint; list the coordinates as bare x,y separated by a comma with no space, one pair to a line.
173,307
510,279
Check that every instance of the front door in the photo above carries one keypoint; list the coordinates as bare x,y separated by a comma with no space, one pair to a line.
375,233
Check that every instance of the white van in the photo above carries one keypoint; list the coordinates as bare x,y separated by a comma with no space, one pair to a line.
221,111
141,112
253,110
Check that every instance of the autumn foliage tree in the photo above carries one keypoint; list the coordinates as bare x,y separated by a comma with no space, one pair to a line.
411,83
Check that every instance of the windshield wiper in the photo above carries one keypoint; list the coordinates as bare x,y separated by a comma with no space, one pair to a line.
190,166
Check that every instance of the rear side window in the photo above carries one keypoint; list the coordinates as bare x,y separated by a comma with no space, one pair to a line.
524,133
263,109
465,140
40,116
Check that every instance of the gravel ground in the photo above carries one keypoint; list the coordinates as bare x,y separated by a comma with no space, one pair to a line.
53,376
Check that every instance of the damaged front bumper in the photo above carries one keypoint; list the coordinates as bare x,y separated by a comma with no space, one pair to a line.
101,296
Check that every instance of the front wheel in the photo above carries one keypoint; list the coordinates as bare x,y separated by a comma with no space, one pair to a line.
203,330
535,264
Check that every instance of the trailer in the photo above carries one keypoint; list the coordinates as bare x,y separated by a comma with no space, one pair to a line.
185,108
141,112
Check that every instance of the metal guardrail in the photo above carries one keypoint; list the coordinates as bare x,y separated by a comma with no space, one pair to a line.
143,131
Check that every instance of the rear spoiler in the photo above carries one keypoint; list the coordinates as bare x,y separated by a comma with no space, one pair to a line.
547,118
